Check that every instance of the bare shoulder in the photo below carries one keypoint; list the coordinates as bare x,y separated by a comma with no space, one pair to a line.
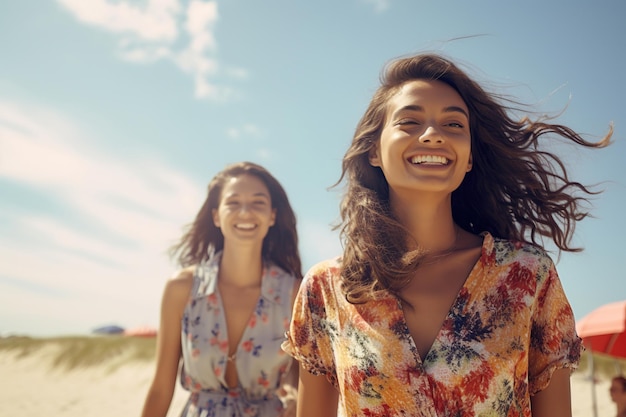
183,275
178,286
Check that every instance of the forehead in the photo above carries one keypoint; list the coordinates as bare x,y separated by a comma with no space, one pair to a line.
245,185
427,94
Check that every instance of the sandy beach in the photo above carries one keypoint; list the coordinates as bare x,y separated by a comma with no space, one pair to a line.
32,385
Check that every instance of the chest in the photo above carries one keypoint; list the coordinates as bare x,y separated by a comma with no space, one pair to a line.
431,294
233,338
240,310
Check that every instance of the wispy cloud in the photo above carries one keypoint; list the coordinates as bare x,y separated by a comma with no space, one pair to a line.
250,132
379,5
108,249
102,257
245,132
176,30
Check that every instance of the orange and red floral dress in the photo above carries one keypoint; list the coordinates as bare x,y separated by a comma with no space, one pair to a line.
508,330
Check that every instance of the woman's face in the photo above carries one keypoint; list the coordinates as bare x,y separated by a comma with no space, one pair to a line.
618,394
245,211
425,143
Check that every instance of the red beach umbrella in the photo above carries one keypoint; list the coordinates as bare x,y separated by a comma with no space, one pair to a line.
604,329
141,331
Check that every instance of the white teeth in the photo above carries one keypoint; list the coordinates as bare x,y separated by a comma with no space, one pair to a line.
429,159
245,226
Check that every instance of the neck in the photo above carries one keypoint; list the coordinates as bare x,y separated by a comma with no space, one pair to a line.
429,222
241,267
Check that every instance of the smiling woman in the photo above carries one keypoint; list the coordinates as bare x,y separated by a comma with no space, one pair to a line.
433,112
225,314
245,211
444,303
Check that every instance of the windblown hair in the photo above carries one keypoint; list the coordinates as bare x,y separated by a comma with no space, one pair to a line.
202,237
515,190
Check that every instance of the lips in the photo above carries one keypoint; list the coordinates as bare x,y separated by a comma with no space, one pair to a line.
245,226
429,160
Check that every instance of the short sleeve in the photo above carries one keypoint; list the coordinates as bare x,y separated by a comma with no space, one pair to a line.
554,343
313,327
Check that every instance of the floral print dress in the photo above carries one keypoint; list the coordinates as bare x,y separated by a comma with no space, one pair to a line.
261,363
508,330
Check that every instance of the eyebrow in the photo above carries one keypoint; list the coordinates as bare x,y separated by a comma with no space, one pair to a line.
449,109
261,194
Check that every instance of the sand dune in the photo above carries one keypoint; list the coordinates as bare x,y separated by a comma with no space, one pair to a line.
32,385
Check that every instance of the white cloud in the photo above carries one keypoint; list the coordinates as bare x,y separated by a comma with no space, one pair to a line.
195,59
264,154
201,16
379,5
109,249
102,260
237,73
143,54
246,132
156,21
175,30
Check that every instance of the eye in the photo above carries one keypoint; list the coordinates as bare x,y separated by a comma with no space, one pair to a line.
456,125
404,122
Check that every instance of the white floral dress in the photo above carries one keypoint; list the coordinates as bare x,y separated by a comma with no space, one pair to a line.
261,363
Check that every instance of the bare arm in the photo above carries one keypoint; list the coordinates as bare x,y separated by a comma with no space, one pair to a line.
288,391
291,379
316,396
555,400
161,390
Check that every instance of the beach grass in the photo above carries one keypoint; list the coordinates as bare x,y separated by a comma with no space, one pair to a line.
71,352
604,366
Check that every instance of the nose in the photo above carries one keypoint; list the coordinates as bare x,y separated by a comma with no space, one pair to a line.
244,209
431,135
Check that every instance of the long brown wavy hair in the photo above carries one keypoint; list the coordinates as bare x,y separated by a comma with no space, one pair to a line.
515,190
202,237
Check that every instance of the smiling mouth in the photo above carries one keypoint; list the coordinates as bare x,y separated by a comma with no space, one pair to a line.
429,160
245,226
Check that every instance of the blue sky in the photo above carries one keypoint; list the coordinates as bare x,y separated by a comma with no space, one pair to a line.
114,115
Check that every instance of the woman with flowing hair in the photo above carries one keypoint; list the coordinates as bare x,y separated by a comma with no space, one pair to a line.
224,315
444,302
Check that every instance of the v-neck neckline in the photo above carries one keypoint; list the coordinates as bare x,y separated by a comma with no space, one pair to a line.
468,284
223,322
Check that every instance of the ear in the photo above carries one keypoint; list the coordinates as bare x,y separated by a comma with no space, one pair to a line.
374,157
216,218
470,163
273,218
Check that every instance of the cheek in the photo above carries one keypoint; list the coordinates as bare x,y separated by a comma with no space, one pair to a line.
222,213
388,153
